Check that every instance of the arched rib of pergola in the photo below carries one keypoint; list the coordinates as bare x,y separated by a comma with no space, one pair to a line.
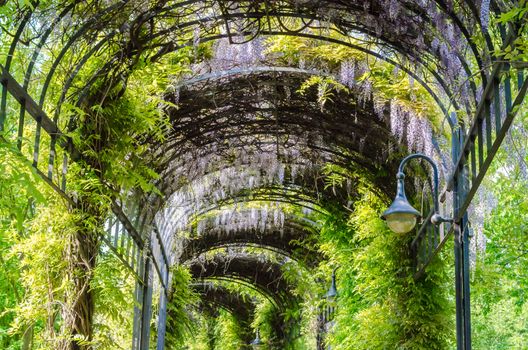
308,196
264,275
285,240
214,296
398,32
220,117
237,304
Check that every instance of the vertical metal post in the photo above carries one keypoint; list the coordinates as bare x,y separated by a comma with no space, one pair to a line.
146,311
143,308
320,330
461,237
162,319
138,298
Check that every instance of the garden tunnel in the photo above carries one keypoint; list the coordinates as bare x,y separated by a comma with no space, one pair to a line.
211,140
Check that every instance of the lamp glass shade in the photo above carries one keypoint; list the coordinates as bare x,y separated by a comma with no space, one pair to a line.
332,292
401,222
401,217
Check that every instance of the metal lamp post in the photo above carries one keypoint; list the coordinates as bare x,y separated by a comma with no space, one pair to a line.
401,217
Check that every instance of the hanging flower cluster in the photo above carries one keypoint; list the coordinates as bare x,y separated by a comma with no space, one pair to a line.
214,184
201,177
226,221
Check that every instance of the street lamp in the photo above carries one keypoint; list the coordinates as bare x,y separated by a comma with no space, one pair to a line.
401,217
332,292
257,343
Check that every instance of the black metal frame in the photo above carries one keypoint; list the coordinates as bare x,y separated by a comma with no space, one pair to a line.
142,249
472,154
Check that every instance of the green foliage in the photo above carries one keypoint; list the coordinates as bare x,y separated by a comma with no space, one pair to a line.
265,315
21,192
294,50
516,17
43,262
227,332
388,82
499,285
179,323
380,306
113,285
326,88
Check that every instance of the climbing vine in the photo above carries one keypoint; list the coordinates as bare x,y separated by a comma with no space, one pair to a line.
214,140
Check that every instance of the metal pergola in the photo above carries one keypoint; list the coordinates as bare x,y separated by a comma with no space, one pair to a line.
422,35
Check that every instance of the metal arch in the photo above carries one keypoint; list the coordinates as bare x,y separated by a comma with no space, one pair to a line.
281,197
3,102
265,69
292,220
234,303
224,166
279,69
85,28
368,52
266,197
249,237
282,298
16,38
249,71
239,244
443,7
342,161
277,300
288,183
437,99
42,42
340,155
292,185
299,202
243,244
272,298
274,14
